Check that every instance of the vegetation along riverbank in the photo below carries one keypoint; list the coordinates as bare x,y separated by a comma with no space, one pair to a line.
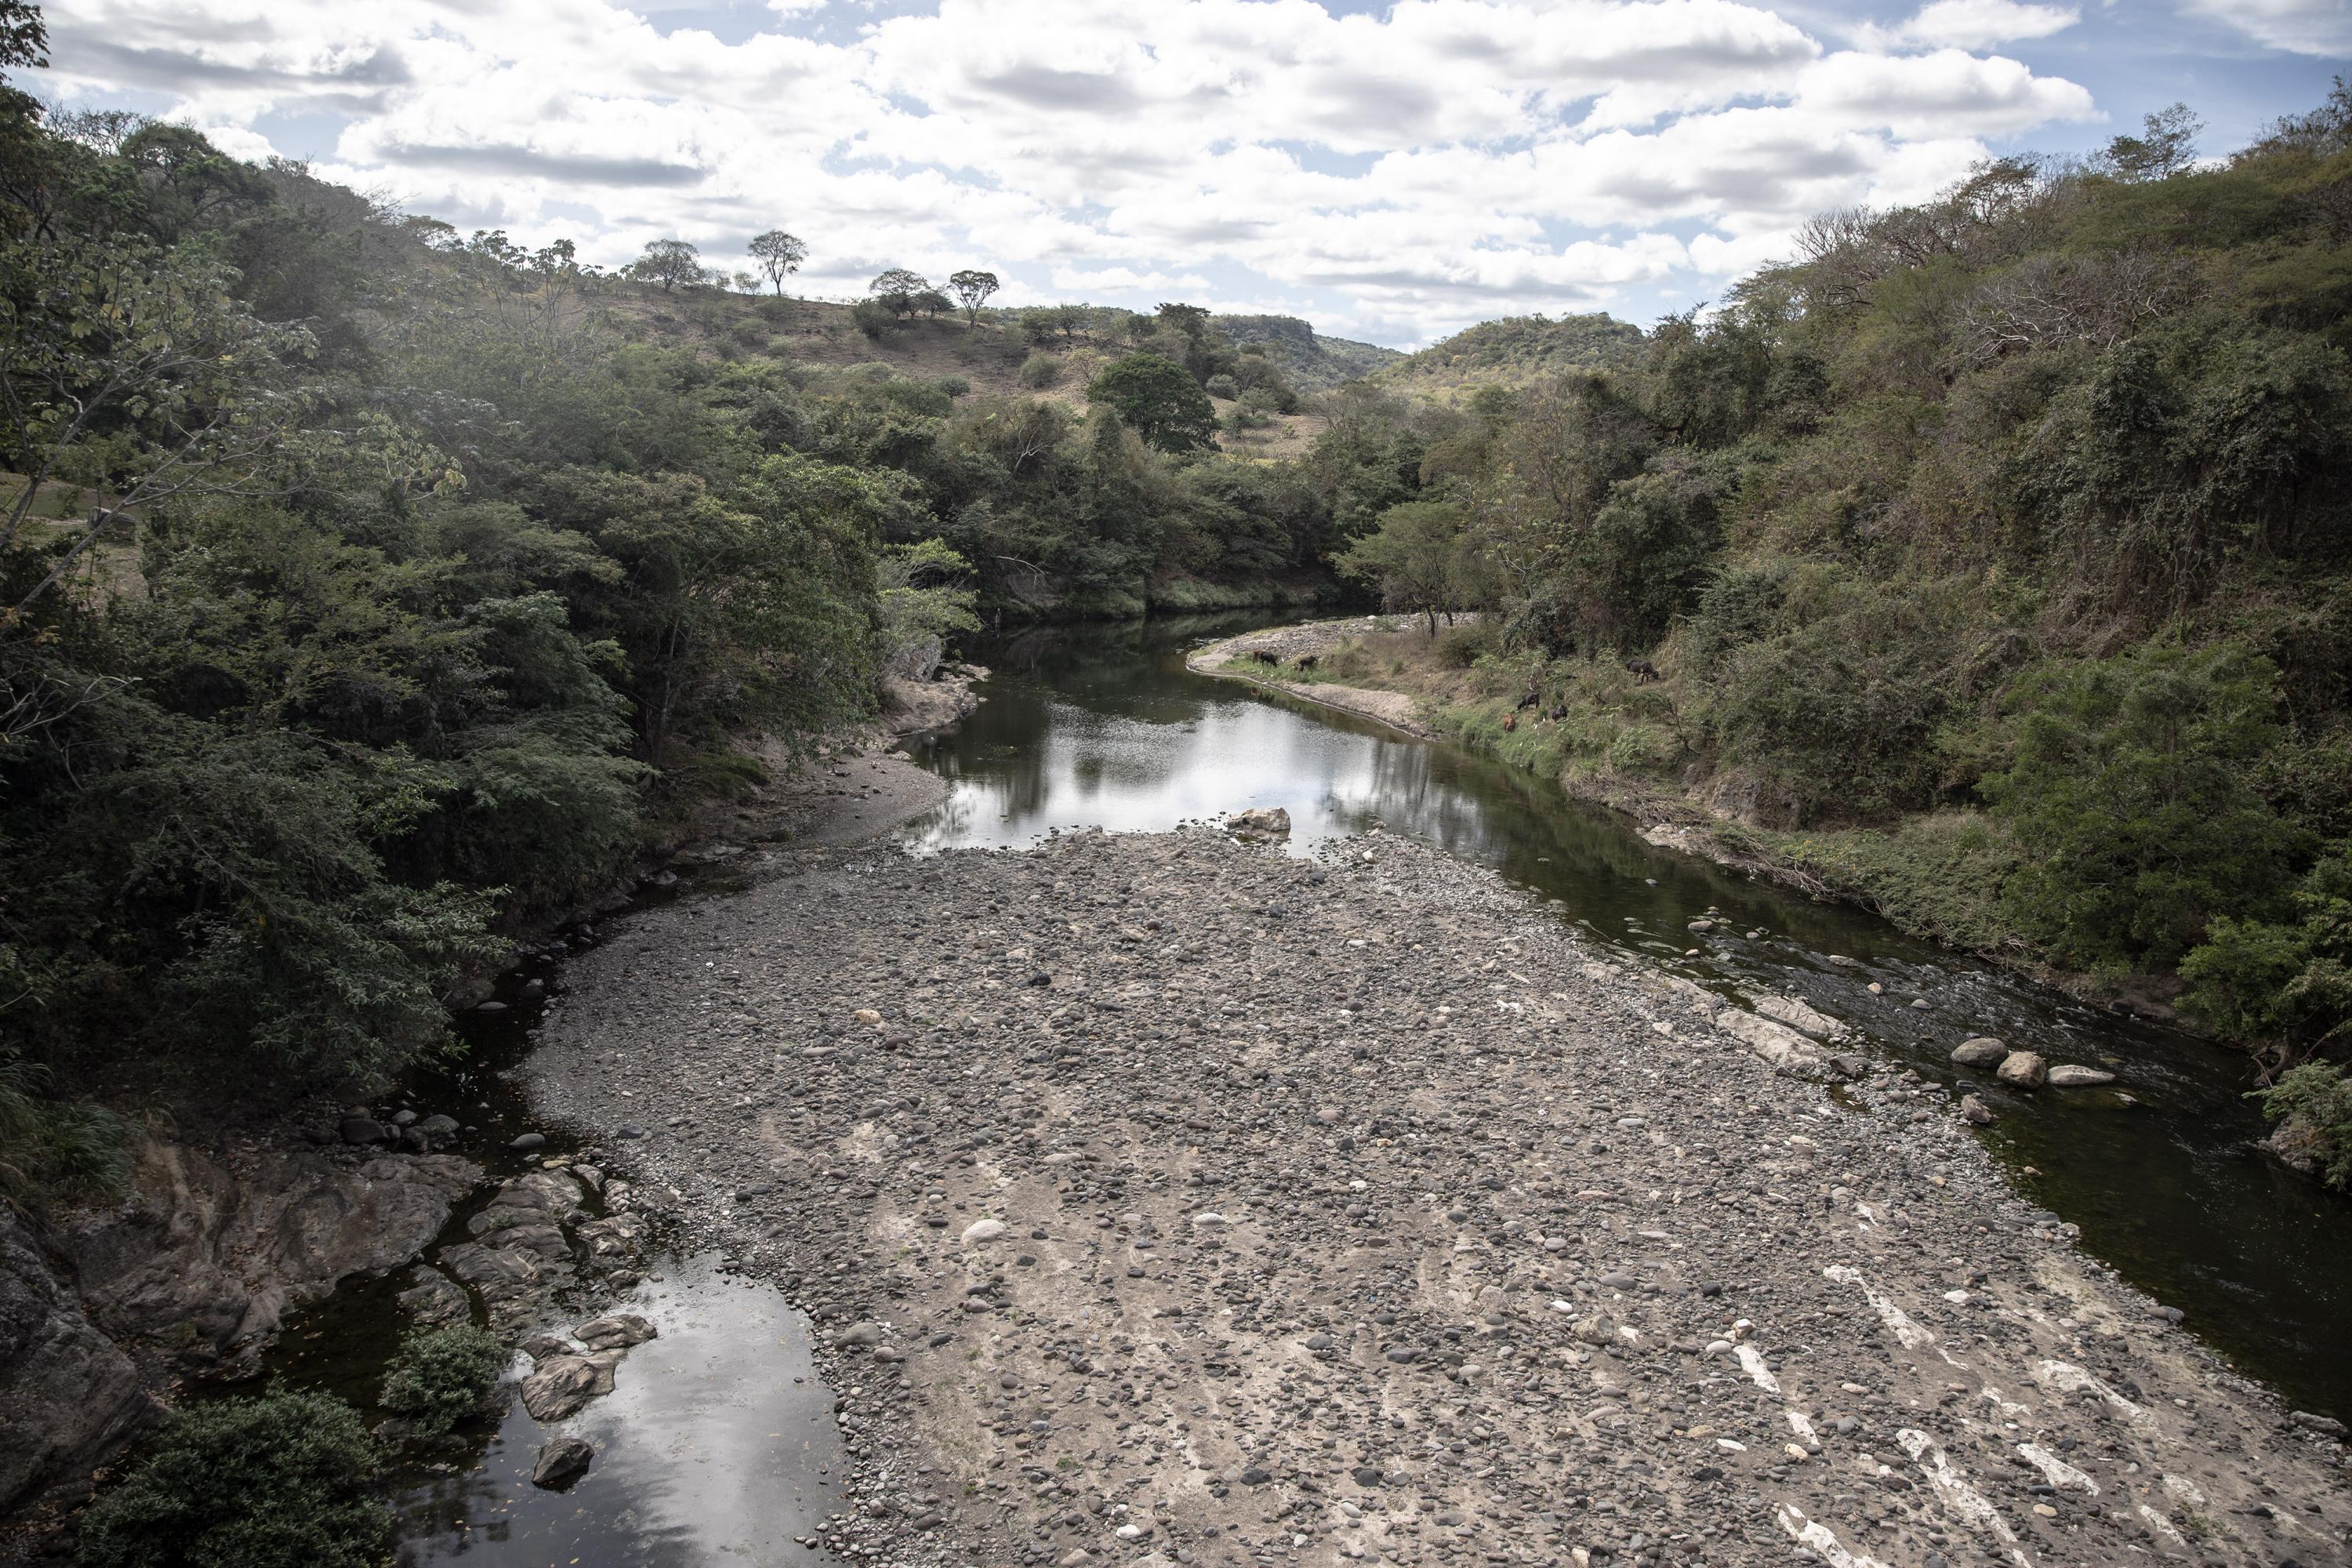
380,600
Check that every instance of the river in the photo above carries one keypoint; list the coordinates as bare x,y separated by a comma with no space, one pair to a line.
719,1443
1105,727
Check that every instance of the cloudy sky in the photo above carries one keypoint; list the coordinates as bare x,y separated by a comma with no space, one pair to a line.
1390,171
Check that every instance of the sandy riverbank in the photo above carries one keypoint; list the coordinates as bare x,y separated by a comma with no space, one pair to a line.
1170,1201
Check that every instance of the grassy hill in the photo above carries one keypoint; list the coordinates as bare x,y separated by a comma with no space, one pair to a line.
990,357
1312,362
1512,351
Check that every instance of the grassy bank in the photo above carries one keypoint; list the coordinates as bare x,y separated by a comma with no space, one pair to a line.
1611,735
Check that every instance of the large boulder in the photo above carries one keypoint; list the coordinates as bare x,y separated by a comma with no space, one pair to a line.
562,1462
2067,1075
69,1397
1982,1051
204,1257
2023,1070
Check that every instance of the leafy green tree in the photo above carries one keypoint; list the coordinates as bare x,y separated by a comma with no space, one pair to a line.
972,289
131,373
779,256
2165,146
1415,556
1159,400
284,1481
2289,981
923,602
2128,787
896,288
668,262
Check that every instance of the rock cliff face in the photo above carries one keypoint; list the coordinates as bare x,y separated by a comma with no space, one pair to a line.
192,1271
69,1395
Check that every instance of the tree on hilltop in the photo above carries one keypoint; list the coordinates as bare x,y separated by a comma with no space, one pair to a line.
779,256
897,287
668,262
971,291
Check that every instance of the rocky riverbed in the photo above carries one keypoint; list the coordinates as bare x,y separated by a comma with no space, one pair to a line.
1166,1199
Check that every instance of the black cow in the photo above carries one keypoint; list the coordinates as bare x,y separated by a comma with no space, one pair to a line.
1304,661
1641,669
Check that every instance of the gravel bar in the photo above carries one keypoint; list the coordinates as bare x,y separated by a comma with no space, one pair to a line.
1163,1199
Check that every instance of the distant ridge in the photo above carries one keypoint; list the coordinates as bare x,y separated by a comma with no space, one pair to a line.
1513,351
1311,362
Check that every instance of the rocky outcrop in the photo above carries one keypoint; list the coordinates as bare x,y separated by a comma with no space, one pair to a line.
193,1271
69,1397
209,1250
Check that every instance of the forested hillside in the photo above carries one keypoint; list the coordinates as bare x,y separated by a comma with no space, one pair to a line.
1519,350
1993,557
368,592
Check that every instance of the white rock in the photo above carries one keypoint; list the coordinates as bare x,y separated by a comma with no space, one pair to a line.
982,1230
1789,1010
1787,1050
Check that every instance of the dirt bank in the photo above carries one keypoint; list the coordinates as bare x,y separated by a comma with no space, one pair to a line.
1236,659
1171,1201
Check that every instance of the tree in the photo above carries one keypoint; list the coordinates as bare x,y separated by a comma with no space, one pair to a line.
971,291
779,256
1417,556
897,287
930,303
1160,400
668,262
2129,787
2166,145
1192,321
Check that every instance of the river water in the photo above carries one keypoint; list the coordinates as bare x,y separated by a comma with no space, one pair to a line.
1103,727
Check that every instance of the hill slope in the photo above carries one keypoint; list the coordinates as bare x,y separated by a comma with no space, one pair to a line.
1512,351
1312,362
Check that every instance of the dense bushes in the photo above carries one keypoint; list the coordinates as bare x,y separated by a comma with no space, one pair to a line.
441,1376
284,1481
2026,508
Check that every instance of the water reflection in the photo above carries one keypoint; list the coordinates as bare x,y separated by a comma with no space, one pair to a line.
717,1444
1103,727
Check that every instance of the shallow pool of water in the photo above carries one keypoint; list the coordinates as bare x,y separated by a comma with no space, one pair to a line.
716,1445
1104,727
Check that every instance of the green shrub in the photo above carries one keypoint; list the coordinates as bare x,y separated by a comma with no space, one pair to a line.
874,321
1461,646
2320,1101
280,1481
1223,386
2129,789
1039,371
2264,981
953,385
442,1375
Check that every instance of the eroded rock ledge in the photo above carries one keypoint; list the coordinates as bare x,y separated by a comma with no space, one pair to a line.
1169,1200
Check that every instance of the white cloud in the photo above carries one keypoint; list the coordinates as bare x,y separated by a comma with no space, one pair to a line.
2322,27
1971,24
1445,161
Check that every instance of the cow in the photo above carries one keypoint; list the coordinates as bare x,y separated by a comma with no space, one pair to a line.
1510,722
1262,656
1304,661
1641,670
